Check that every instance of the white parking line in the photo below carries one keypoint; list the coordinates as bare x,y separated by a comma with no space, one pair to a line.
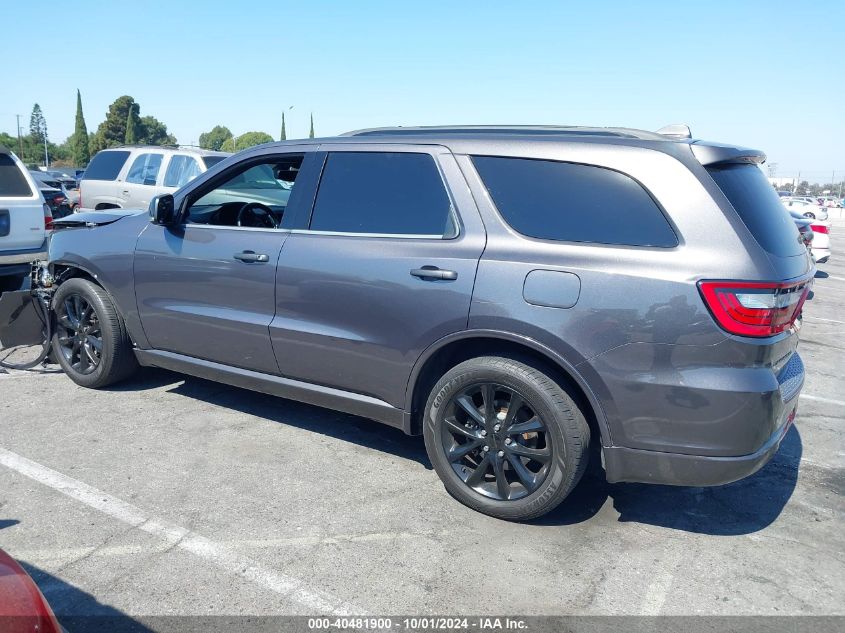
215,553
814,319
807,396
661,584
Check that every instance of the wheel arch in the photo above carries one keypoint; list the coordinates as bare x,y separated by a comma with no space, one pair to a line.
451,350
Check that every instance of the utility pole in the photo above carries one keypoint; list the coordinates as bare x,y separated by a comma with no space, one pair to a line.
20,141
46,157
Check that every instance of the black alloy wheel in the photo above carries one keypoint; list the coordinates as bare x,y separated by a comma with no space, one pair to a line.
496,442
80,338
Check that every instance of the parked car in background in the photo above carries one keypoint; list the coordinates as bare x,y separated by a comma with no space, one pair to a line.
784,194
23,608
831,202
444,281
24,220
804,228
805,207
129,177
66,178
820,247
57,201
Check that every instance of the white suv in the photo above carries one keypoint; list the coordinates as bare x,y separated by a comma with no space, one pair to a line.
24,221
129,177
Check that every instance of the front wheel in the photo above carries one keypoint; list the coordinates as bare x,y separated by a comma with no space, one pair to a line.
90,341
505,438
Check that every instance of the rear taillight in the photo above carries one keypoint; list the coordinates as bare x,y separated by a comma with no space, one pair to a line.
751,308
820,228
48,218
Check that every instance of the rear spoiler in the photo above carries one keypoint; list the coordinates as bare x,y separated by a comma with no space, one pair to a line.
714,154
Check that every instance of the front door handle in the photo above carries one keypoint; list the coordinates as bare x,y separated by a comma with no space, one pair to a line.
433,272
252,256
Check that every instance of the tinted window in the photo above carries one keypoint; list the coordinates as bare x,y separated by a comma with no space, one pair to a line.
211,161
12,181
106,165
144,170
382,192
181,170
573,203
758,205
255,197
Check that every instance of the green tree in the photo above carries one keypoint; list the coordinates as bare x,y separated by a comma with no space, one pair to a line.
133,126
311,133
214,139
112,131
80,154
245,140
154,132
38,125
284,135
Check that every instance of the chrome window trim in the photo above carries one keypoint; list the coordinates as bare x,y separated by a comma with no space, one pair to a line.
407,236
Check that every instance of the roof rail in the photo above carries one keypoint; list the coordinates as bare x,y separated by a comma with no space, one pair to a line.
676,130
528,130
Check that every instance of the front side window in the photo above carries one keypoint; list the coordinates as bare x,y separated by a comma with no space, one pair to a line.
180,171
144,170
388,193
254,197
571,202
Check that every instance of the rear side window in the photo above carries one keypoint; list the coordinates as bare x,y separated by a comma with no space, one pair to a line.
758,205
13,184
211,161
181,170
106,165
393,193
144,170
573,203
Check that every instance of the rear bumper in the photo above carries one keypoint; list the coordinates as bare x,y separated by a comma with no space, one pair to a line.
21,258
675,469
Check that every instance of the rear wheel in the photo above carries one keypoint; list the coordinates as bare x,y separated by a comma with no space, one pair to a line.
90,341
505,438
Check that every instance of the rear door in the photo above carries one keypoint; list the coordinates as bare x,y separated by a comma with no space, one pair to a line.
21,207
140,184
382,268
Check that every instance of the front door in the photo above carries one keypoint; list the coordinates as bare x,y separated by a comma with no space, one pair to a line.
384,268
206,288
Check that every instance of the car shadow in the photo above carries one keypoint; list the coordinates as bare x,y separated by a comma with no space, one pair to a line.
342,426
78,611
4,523
742,507
820,274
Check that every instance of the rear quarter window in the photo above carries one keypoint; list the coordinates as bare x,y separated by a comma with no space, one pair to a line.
570,202
13,184
759,207
106,165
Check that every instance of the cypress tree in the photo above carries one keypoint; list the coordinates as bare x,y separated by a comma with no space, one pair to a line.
284,134
79,143
132,130
311,133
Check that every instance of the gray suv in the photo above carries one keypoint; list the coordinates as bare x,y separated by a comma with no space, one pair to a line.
512,294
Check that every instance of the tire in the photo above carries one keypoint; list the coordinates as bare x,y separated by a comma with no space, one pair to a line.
116,358
451,429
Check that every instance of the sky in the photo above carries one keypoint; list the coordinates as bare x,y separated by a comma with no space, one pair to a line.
766,75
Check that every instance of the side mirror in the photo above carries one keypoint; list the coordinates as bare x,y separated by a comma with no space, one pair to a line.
163,210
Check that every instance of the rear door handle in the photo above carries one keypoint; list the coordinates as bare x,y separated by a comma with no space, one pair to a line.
252,256
433,272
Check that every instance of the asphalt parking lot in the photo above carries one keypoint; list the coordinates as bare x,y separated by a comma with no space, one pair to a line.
175,496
